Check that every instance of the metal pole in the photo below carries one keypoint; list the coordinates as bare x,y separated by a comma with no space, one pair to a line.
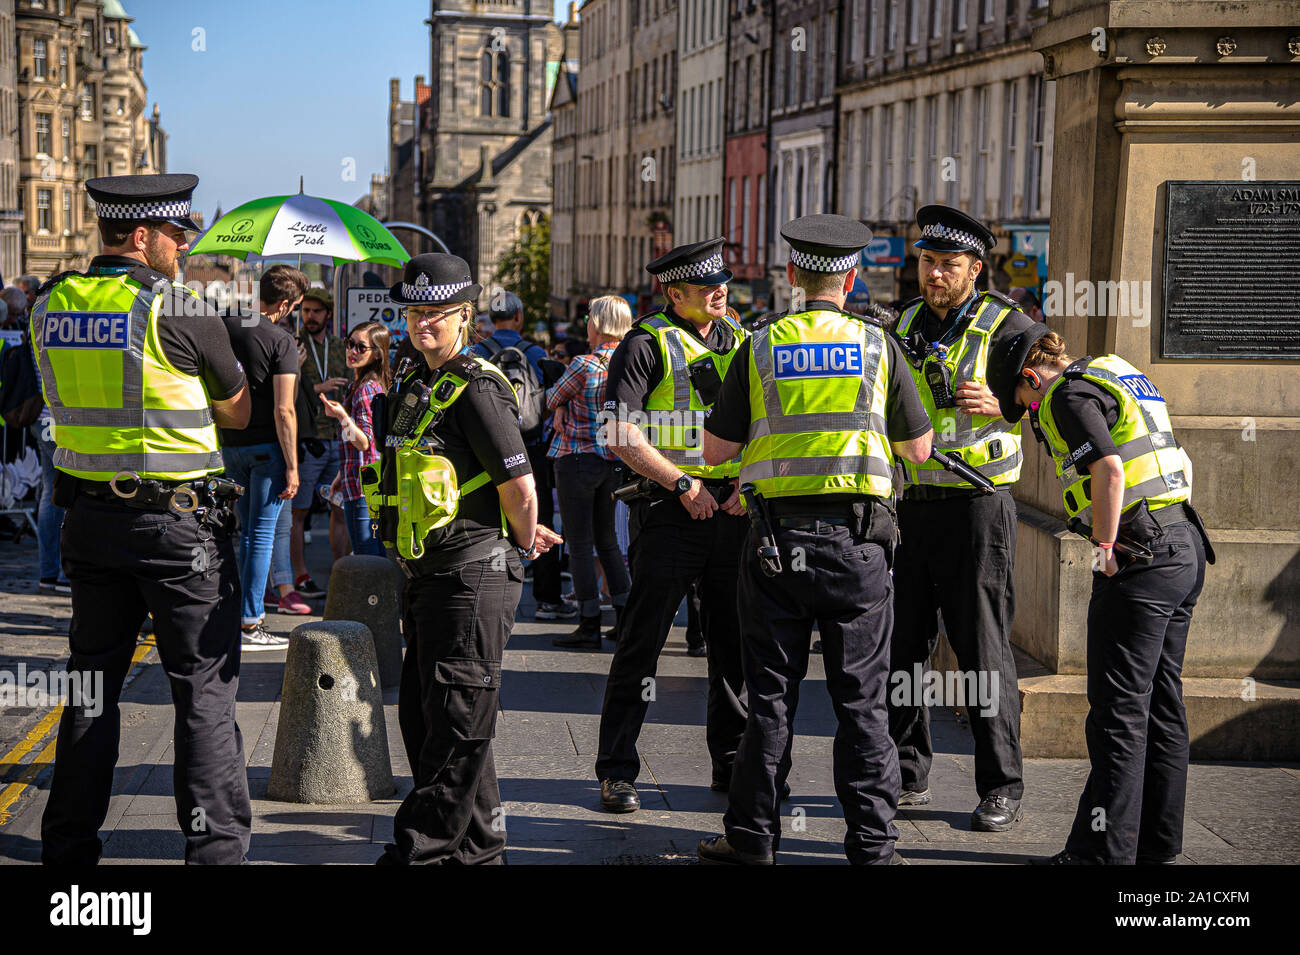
417,228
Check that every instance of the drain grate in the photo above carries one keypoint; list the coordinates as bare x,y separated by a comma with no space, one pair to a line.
663,858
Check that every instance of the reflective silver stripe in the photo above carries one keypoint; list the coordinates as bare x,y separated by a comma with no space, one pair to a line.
1151,486
180,419
133,358
677,358
153,462
1153,431
984,321
815,467
988,314
37,334
694,456
1136,447
904,327
814,421
932,476
964,439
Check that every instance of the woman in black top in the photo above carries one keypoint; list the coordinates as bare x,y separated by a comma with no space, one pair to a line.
463,590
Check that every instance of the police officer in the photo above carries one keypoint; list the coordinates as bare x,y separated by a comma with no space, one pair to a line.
1125,486
138,373
820,403
453,455
958,543
668,371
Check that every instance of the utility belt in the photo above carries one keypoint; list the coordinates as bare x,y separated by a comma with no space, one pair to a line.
442,562
866,518
1141,527
149,494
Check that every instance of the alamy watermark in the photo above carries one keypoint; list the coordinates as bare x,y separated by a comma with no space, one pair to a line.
976,689
82,689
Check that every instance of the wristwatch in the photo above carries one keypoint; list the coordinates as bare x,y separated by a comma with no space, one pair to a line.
529,552
684,484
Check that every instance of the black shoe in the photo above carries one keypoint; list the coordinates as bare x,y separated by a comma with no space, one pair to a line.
816,647
697,650
613,632
618,795
1064,857
718,851
1162,860
995,814
309,588
914,797
585,637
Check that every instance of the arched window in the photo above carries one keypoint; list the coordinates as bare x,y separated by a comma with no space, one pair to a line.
494,80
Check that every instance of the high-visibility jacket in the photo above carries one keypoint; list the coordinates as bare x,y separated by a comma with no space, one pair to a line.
818,386
989,443
116,402
1143,436
423,490
676,410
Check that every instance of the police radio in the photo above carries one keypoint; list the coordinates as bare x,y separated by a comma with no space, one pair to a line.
939,377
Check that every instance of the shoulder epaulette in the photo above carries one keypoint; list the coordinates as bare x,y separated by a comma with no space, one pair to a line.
768,318
1003,298
1077,368
54,280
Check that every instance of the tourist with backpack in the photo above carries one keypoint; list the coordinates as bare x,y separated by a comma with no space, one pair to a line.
524,364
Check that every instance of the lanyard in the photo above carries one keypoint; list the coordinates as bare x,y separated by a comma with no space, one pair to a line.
316,357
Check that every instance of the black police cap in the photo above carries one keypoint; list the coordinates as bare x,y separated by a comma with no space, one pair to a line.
164,197
699,263
435,278
945,229
1006,361
825,243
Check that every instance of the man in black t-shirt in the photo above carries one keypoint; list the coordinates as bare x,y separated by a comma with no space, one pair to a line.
264,456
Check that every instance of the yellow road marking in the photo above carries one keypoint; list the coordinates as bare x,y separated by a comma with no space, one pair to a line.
13,792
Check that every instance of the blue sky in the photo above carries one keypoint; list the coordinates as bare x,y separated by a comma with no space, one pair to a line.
284,88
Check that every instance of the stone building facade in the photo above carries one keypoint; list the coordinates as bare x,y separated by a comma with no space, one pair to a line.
11,258
701,81
744,178
945,101
801,161
81,113
481,154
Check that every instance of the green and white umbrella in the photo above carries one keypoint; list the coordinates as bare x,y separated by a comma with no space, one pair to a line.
303,227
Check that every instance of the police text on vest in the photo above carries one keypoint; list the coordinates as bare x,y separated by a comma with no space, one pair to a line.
818,360
86,329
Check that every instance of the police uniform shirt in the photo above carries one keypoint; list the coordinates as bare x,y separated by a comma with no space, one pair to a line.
266,350
479,432
904,413
1084,413
637,367
929,328
195,344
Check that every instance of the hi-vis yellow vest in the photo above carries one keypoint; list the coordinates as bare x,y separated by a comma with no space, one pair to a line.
116,402
1143,436
676,430
426,490
818,385
988,443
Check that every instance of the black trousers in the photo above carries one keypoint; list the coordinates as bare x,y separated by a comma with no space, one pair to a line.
457,623
546,568
843,584
1131,809
956,556
668,552
124,564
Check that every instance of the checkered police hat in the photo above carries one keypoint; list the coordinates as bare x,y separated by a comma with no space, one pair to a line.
435,279
160,197
700,263
944,229
825,243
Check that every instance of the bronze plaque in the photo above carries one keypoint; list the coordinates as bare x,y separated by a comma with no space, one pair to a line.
1232,270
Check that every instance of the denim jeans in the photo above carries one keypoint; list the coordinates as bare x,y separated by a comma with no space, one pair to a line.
281,563
363,539
260,468
49,518
584,483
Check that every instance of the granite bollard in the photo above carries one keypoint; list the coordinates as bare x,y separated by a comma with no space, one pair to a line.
368,589
331,742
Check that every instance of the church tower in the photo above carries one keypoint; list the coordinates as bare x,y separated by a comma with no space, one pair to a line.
485,132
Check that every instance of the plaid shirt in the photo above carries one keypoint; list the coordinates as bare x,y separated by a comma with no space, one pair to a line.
581,392
350,459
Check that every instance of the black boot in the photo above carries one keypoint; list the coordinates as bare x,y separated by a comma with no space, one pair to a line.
586,637
613,632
